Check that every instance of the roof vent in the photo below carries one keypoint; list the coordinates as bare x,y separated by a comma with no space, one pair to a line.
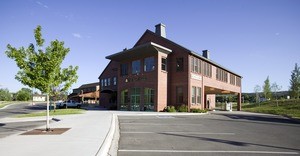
160,29
205,53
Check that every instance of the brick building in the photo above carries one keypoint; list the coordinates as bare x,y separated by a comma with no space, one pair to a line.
158,72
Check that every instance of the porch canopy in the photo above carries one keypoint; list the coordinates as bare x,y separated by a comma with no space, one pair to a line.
144,50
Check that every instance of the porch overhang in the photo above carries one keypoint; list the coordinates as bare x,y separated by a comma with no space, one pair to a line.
147,49
212,90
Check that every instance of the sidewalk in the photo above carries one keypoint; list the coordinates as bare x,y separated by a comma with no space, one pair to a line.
86,136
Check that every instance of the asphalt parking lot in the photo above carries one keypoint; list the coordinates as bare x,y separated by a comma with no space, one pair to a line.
219,133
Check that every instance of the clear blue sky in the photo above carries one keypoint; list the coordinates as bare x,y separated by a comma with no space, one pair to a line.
254,38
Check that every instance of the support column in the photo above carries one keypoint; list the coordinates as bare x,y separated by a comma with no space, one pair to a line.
239,102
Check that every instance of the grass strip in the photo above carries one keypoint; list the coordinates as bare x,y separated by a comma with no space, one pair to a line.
53,113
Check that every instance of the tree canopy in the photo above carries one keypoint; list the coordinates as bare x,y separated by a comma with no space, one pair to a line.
267,88
295,82
41,68
24,94
5,95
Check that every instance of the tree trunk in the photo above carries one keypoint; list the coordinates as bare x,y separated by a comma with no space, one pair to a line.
47,119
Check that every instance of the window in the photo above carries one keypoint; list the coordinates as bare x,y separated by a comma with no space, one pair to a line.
149,64
136,66
193,95
149,99
164,64
238,81
221,75
115,80
102,83
135,99
232,79
200,66
179,95
179,64
105,82
108,81
207,69
192,64
198,95
124,69
124,99
196,65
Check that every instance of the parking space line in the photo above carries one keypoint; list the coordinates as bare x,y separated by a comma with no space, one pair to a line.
190,151
178,133
155,124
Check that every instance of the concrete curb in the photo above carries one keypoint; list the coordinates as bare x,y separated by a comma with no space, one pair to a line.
115,142
105,146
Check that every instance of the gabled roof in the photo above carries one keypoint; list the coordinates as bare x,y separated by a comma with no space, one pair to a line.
89,85
186,49
146,48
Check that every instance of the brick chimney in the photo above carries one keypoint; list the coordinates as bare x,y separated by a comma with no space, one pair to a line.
160,29
205,53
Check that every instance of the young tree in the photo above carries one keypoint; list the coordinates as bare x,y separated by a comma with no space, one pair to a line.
267,88
275,88
295,82
24,94
40,68
257,89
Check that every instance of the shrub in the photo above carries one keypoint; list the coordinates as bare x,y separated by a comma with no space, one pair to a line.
182,108
194,110
170,109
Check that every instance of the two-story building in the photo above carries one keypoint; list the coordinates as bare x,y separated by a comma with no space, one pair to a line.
158,72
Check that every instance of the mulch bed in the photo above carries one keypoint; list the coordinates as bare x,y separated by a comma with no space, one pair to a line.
52,131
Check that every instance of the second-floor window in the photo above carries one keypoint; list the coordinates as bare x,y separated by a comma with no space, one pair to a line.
136,67
115,80
149,64
164,64
124,69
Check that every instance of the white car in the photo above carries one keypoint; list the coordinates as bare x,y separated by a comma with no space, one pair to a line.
69,103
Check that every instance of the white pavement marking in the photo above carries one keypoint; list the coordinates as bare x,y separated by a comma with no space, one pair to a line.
189,151
178,133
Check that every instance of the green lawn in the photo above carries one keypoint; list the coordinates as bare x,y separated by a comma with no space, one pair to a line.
52,113
290,108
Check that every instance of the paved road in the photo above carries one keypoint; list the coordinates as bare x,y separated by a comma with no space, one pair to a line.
215,134
10,128
21,108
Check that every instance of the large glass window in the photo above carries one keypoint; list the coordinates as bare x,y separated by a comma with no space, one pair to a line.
135,99
124,69
193,95
164,64
179,64
149,64
136,66
149,99
179,95
124,99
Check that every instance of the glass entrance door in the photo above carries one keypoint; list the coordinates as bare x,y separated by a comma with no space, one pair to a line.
135,99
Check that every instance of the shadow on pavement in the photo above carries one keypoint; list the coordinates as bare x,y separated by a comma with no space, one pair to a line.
260,118
229,142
